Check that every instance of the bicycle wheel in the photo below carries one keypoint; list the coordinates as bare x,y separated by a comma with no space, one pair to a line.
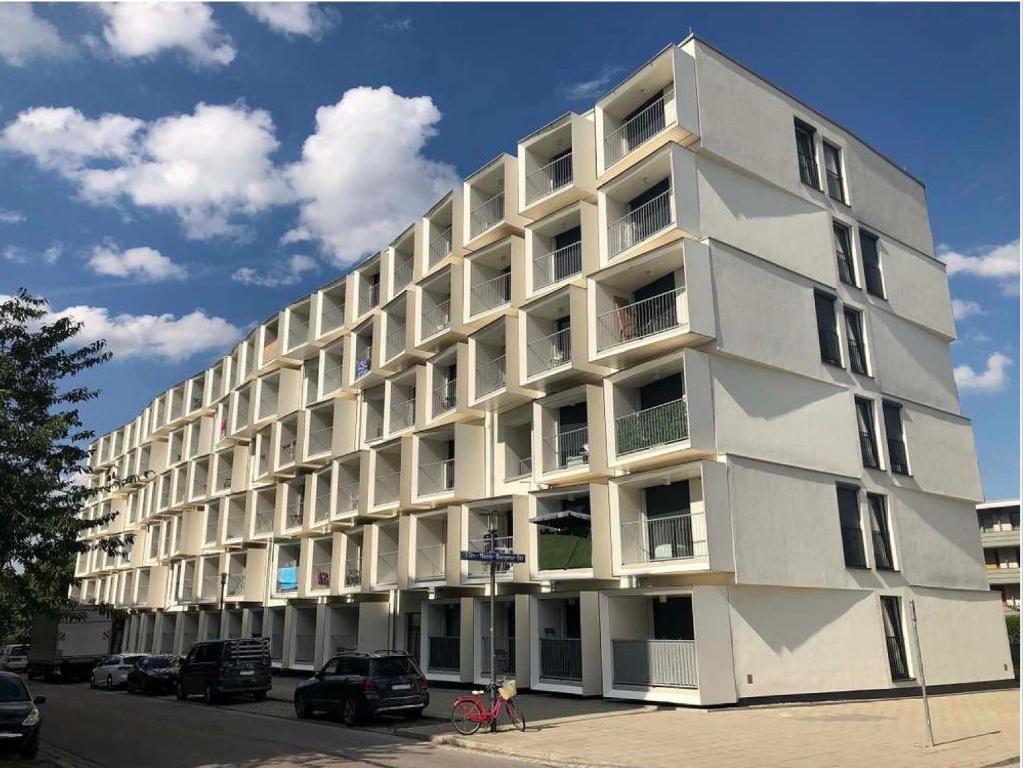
515,714
466,716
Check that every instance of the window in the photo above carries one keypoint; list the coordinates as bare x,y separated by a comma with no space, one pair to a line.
854,341
849,521
891,614
868,436
827,328
871,264
833,172
880,532
896,441
806,151
843,251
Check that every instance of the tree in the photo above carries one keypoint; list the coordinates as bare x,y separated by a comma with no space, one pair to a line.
43,455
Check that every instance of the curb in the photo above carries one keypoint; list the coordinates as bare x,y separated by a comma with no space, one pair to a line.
461,742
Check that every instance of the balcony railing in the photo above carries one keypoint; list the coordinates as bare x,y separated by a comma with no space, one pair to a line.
369,295
550,178
486,214
287,453
331,318
440,246
298,333
387,566
639,224
236,584
490,376
332,375
445,396
348,497
430,562
386,488
444,653
570,448
402,274
321,440
490,293
557,265
321,574
403,414
504,655
651,427
897,456
436,477
395,343
374,425
436,318
561,658
678,536
639,319
482,544
637,130
293,513
353,571
650,663
549,352
264,521
321,508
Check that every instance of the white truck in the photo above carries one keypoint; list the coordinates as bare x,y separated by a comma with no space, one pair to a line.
69,647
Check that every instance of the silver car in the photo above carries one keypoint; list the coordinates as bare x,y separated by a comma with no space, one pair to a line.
14,658
112,672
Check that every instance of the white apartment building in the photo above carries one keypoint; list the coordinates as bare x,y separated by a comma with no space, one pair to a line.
689,351
999,536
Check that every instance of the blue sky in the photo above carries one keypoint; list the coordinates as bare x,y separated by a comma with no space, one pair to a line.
177,174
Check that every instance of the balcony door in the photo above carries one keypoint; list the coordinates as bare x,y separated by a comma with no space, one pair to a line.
673,618
566,259
669,528
654,306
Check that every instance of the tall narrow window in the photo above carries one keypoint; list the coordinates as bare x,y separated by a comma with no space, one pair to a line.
895,436
880,532
806,151
827,328
854,340
833,171
891,614
849,521
868,435
871,264
843,252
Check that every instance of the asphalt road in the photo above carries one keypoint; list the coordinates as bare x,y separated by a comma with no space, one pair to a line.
117,730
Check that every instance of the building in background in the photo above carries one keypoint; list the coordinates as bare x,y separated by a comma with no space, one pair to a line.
688,352
999,536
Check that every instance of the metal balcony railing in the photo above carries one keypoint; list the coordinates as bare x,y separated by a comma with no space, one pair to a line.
490,293
402,274
436,477
561,658
293,513
224,478
444,653
374,426
639,319
486,214
490,376
679,536
363,362
651,427
321,440
638,129
436,318
287,452
321,574
482,544
395,343
235,584
332,375
504,655
348,497
897,456
332,317
386,488
353,571
387,566
549,268
403,414
321,509
298,333
264,522
569,448
639,224
549,352
440,246
549,178
655,663
430,562
445,396
187,587
212,529
369,296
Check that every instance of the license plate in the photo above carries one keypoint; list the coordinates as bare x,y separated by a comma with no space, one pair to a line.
247,672
402,687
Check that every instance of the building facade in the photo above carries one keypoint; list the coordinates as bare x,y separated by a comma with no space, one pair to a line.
687,352
999,536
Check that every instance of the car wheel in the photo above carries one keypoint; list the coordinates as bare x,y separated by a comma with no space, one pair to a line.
413,715
181,692
210,695
351,712
259,696
302,708
92,682
110,683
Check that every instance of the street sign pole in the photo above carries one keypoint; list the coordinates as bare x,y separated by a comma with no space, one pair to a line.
923,680
492,547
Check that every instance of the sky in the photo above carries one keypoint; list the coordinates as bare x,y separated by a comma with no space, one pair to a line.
174,174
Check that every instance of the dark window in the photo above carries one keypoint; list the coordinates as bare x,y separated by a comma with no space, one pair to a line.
673,618
871,264
330,668
896,441
655,191
891,613
854,340
880,532
833,171
849,521
827,328
843,251
806,151
567,260
868,435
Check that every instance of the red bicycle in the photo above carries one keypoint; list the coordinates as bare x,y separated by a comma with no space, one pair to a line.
468,713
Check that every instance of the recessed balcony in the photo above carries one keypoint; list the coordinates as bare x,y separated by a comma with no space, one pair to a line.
441,230
297,331
321,566
436,463
293,493
556,165
515,444
387,476
431,534
401,260
286,581
489,277
401,402
262,503
568,449
353,549
348,493
491,203
433,302
329,308
374,413
561,248
331,370
562,535
367,282
269,344
386,555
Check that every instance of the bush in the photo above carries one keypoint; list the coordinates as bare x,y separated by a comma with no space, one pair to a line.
1012,627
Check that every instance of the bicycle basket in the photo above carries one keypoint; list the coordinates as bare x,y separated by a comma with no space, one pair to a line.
508,690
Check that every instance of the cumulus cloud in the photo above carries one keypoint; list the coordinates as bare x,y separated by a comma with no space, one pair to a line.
590,89
962,309
1000,263
293,19
143,262
288,272
24,36
8,216
362,177
19,255
135,30
992,379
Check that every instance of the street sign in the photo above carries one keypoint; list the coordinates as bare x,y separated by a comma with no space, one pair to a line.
493,557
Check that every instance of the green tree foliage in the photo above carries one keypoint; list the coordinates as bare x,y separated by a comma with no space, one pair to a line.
43,456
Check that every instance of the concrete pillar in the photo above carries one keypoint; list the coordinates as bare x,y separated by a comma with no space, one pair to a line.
246,622
288,654
714,661
321,650
179,634
589,621
373,623
523,640
467,634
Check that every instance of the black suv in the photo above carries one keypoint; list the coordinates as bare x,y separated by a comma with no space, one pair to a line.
223,667
361,685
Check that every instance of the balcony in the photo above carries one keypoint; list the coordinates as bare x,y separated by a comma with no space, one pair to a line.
557,265
436,477
561,659
440,246
386,488
651,427
320,575
369,292
680,536
402,274
403,415
549,352
332,309
549,178
436,317
640,319
394,345
637,129
430,561
387,565
504,655
490,376
566,449
640,223
654,663
353,571
486,215
445,396
444,653
490,293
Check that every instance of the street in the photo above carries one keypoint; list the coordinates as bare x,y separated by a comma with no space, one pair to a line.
117,730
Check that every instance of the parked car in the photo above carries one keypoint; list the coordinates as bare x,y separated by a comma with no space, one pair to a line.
155,674
359,686
112,672
14,658
220,668
19,717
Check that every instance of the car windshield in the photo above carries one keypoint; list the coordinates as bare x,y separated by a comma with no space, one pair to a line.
393,667
12,689
19,650
133,659
160,663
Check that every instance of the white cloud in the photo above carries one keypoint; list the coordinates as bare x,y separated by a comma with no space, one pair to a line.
287,273
18,255
994,262
302,19
362,177
962,309
24,36
8,216
991,379
590,89
144,30
143,262
51,254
